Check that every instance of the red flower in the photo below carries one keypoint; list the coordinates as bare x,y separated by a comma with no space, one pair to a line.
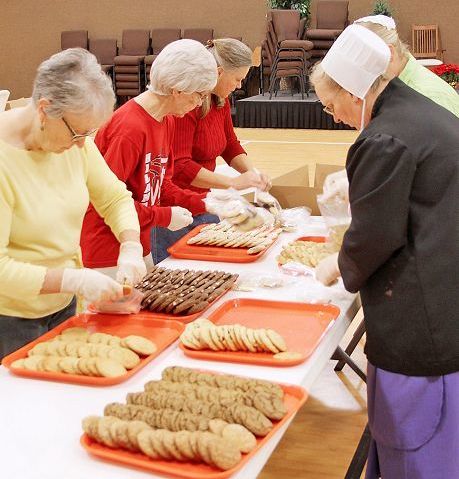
448,72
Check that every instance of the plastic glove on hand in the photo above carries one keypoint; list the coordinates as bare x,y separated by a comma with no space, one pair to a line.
90,284
180,218
327,271
250,179
131,266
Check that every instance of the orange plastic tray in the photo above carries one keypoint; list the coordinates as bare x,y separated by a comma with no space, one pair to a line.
302,325
294,398
315,239
211,253
161,332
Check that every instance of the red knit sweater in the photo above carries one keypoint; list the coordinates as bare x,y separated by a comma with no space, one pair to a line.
138,149
199,141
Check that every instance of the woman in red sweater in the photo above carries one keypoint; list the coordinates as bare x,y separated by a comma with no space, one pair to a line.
206,133
137,146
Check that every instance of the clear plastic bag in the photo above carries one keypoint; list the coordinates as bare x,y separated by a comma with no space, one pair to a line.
231,206
251,282
336,213
128,304
292,218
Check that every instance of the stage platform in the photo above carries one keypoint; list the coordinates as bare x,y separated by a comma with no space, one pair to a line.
284,111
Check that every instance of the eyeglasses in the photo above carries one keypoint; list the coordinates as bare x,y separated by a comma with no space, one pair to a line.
329,110
77,136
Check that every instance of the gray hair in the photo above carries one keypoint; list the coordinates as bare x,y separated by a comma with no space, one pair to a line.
319,76
184,65
389,36
230,53
73,82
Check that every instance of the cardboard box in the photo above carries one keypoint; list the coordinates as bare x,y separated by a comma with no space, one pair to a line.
293,188
322,171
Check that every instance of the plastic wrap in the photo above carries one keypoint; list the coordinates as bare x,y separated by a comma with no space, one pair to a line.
231,206
335,210
128,304
292,218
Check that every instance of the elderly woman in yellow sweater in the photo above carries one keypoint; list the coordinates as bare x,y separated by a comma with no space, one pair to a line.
50,170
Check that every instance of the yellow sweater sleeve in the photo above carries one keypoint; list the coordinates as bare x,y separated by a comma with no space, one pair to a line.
108,194
18,279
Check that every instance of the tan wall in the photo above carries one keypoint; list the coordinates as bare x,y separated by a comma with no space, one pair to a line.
30,30
445,13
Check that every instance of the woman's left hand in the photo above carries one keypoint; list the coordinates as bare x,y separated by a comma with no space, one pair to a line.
131,266
327,271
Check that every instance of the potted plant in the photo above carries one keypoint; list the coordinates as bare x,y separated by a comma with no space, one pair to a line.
303,6
381,7
448,72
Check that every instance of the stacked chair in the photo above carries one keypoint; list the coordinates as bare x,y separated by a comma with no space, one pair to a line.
105,50
74,39
160,37
199,34
284,52
332,18
129,64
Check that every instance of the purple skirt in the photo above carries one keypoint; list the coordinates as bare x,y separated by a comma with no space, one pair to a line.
414,423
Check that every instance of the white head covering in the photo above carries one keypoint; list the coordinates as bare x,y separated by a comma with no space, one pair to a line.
356,59
383,20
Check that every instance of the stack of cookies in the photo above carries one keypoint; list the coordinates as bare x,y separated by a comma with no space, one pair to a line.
308,253
183,292
203,334
190,415
225,234
76,351
218,450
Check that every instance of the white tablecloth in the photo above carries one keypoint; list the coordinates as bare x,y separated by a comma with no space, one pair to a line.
40,421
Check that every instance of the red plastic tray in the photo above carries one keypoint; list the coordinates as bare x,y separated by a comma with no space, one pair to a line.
294,398
161,332
302,326
211,253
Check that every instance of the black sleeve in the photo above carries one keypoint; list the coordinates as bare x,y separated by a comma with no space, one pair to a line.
381,172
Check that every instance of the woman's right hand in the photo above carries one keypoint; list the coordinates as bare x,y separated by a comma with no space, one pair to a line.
90,284
251,179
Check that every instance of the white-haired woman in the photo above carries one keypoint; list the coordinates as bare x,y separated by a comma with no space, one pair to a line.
49,171
137,146
207,132
404,66
401,253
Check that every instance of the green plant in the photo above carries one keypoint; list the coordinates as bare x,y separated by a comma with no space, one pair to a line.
303,6
382,7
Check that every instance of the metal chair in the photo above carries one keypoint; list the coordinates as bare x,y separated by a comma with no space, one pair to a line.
105,50
160,37
199,34
74,39
129,64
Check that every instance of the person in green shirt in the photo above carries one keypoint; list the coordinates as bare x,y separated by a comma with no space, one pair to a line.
405,66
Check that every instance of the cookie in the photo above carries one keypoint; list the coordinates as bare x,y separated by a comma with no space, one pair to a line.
139,345
109,368
287,356
238,435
